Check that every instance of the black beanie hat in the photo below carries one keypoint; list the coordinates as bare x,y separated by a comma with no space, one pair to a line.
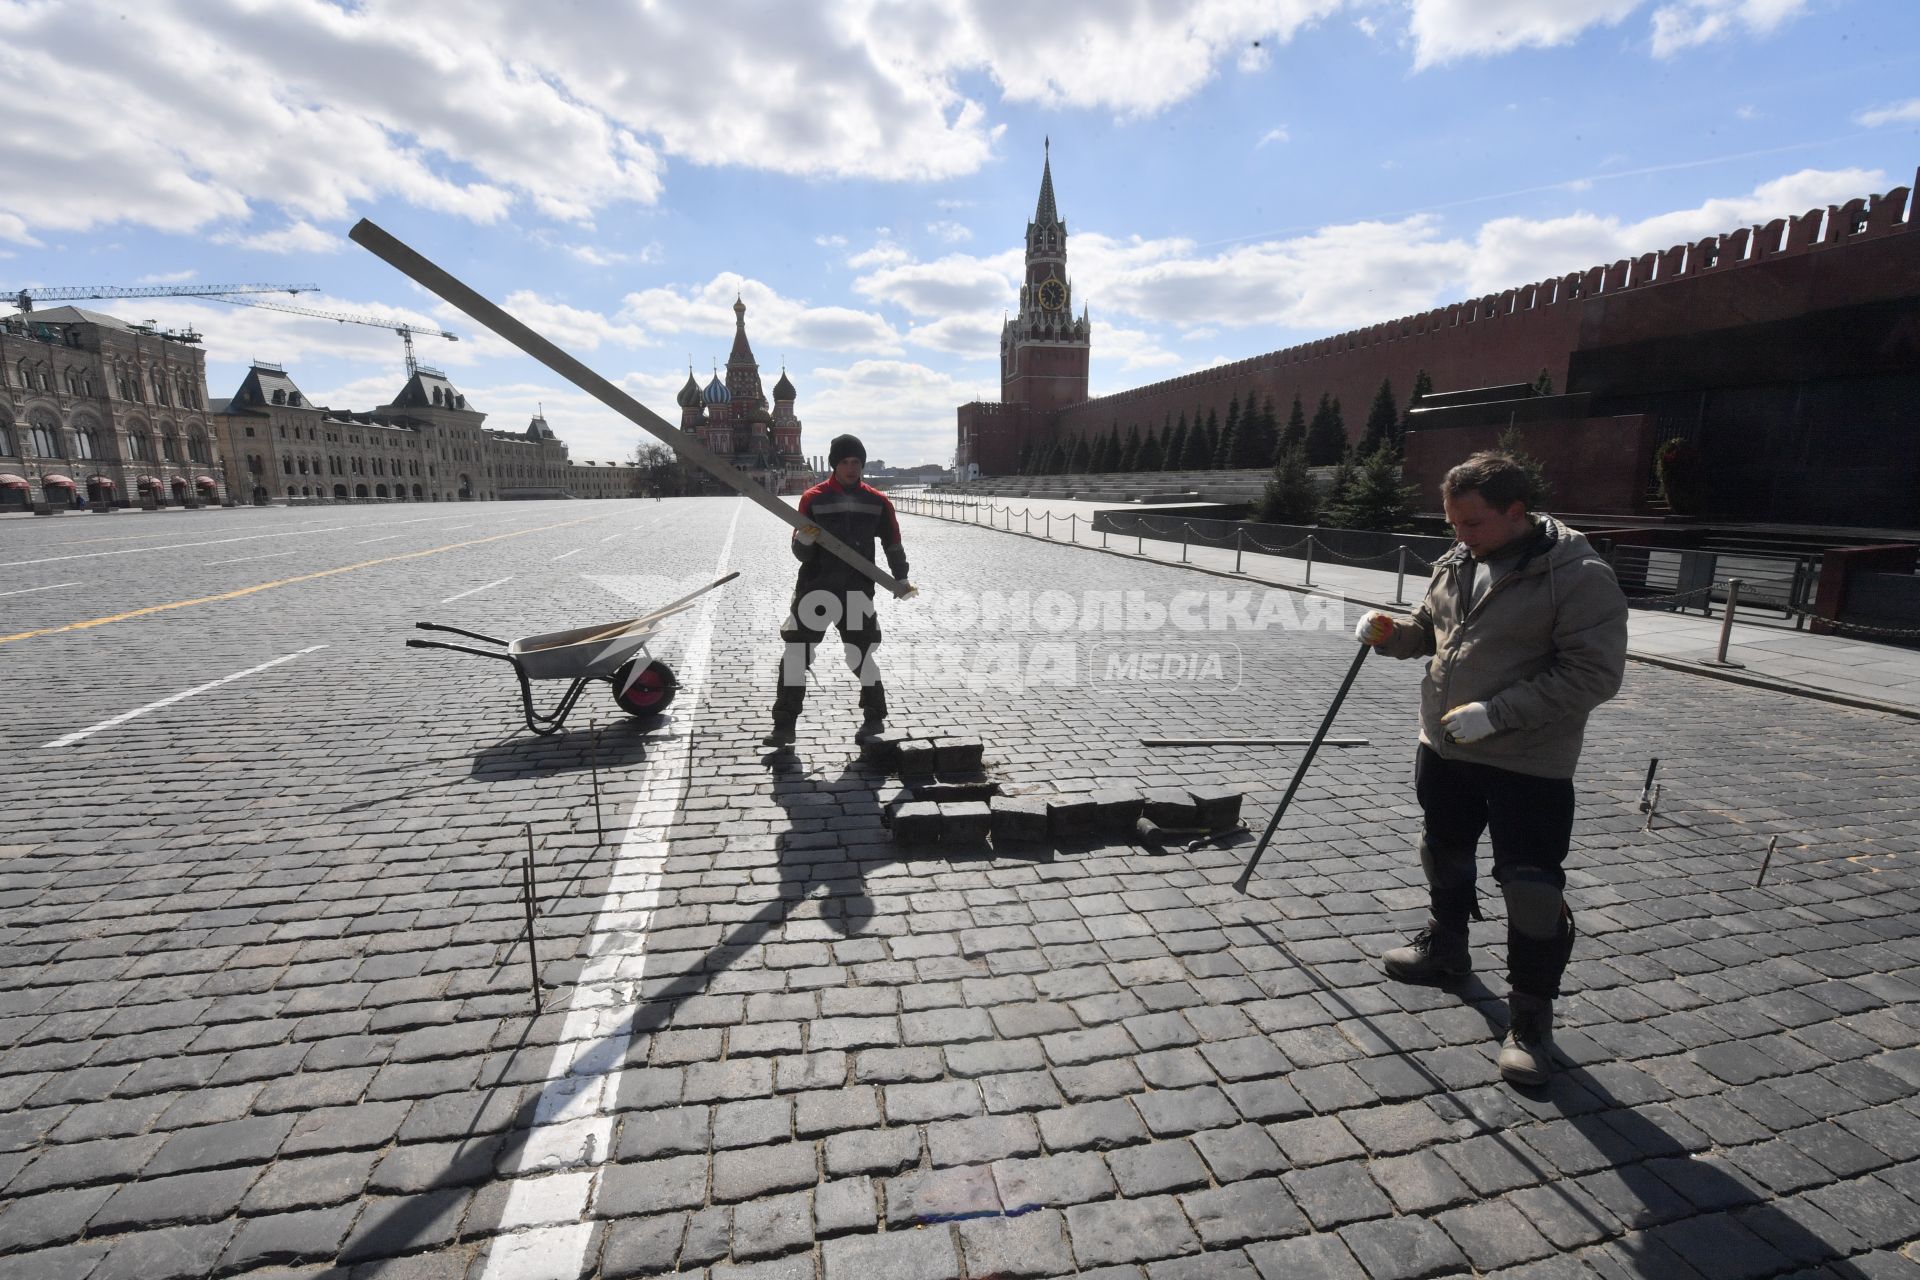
845,447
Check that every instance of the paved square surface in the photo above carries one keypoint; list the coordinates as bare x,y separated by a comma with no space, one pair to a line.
265,1004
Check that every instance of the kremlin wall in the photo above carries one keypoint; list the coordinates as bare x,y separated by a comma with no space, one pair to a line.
1788,353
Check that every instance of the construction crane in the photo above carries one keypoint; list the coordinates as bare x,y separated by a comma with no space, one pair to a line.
25,298
406,331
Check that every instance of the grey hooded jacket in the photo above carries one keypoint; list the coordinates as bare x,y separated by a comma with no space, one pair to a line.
1544,647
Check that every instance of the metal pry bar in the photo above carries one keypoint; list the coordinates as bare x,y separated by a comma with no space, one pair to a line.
438,282
1306,759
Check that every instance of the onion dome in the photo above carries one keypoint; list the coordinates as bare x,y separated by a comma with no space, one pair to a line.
689,397
783,389
759,414
716,392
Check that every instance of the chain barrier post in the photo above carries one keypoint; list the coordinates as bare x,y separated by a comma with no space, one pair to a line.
1239,545
1726,624
1073,527
1309,559
1026,516
1185,530
1400,578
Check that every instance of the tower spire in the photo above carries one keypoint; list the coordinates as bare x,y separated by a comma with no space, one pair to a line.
1045,214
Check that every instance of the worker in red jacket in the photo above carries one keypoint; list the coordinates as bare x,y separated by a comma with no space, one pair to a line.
829,592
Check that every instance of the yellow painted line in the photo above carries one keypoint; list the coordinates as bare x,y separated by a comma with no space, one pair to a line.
287,582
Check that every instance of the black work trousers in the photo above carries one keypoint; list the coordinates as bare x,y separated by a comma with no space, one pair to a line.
1529,822
814,611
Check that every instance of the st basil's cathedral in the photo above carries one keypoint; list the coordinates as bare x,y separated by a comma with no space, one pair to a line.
731,417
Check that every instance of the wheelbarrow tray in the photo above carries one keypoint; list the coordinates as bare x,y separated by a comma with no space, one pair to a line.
609,651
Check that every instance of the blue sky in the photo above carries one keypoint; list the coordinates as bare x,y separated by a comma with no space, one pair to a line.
1236,175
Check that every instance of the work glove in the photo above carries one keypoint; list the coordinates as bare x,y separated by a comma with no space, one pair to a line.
1468,722
806,533
906,591
1375,628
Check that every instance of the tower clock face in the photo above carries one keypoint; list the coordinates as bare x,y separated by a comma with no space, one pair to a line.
1053,295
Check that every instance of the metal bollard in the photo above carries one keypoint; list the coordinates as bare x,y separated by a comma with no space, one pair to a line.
1073,527
1726,625
1239,545
1400,579
1046,524
1185,529
1309,559
1026,516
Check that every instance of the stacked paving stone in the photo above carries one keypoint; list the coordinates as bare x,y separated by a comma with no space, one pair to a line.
948,798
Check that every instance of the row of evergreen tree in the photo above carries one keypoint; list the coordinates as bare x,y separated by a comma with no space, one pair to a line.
1249,438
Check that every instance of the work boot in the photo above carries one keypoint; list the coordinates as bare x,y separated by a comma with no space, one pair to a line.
871,727
1526,1057
782,735
1434,955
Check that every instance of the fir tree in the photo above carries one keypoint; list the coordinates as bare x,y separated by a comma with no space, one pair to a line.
1371,496
1383,420
1295,436
1176,447
1025,465
1543,385
1056,460
1291,497
1150,452
1112,462
1200,444
1326,441
1130,455
1079,458
1229,435
1265,445
1422,387
1514,447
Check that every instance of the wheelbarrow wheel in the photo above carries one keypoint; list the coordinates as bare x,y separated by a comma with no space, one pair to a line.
647,692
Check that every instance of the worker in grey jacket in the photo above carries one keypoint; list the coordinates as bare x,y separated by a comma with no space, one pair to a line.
1525,633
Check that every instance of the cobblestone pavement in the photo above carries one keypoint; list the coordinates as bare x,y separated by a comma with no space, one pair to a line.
265,1003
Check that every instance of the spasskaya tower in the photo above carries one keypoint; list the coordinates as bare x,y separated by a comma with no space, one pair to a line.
1044,348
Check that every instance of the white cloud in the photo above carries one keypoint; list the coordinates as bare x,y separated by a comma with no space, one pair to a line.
949,285
1131,349
949,231
902,411
1444,30
168,277
301,237
1277,134
883,253
597,256
572,328
774,322
1893,113
830,242
1687,23
971,335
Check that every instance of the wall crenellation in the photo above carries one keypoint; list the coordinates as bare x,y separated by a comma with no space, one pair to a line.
1860,218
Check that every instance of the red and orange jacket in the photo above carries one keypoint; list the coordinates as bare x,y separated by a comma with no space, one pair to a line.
858,517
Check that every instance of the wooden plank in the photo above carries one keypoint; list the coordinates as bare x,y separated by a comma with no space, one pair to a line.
445,286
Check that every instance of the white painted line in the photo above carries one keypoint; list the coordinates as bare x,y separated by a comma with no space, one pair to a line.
610,537
468,525
564,554
271,555
27,591
130,551
182,696
573,1120
389,538
476,591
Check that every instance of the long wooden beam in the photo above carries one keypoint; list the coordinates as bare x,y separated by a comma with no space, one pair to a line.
437,281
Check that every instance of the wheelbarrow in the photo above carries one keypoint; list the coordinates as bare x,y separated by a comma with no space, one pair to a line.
615,652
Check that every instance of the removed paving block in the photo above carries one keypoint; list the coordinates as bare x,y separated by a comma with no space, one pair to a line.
1019,820
965,823
1219,806
1171,807
917,822
958,755
948,787
883,748
1071,817
918,755
1115,809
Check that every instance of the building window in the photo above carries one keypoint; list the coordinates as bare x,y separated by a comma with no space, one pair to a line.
140,445
44,433
197,448
86,443
249,431
6,438
169,448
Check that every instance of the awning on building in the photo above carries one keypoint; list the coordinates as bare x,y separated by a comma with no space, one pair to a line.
206,482
11,481
63,481
102,481
148,482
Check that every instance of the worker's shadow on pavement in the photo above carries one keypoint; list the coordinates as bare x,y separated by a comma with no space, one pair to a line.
622,744
833,836
1643,1186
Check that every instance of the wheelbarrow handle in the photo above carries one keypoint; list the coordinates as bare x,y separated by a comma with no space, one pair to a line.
458,631
463,648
